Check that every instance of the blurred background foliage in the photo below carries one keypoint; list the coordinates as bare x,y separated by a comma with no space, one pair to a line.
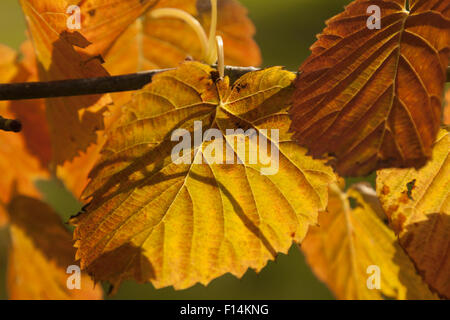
285,31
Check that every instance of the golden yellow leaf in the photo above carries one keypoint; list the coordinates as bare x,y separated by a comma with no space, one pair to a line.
19,168
417,203
41,252
153,219
352,241
73,121
372,98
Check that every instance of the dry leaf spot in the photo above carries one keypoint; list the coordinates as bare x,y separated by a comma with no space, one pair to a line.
385,190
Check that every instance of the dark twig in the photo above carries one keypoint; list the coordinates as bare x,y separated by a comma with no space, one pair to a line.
79,87
10,125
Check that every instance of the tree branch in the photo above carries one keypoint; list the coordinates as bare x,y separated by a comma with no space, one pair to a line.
79,87
10,125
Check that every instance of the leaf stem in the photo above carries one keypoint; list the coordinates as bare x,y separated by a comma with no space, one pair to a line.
220,57
212,52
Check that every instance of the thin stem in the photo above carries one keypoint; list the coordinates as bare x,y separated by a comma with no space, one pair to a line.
220,57
212,52
190,20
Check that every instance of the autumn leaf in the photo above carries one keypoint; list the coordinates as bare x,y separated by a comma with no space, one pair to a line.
417,203
447,108
350,240
154,219
152,43
19,168
41,251
103,21
75,173
3,217
73,121
8,67
32,112
35,131
371,99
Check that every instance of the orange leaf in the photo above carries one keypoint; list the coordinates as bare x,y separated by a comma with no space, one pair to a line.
36,133
447,108
164,43
73,121
103,21
32,112
18,167
40,254
75,173
372,98
3,217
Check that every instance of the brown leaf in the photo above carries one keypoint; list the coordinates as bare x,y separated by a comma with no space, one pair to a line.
73,121
372,98
41,251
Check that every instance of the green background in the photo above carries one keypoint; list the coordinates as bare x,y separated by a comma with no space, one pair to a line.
285,31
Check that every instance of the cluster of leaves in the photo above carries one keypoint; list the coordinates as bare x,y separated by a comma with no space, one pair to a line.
365,101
